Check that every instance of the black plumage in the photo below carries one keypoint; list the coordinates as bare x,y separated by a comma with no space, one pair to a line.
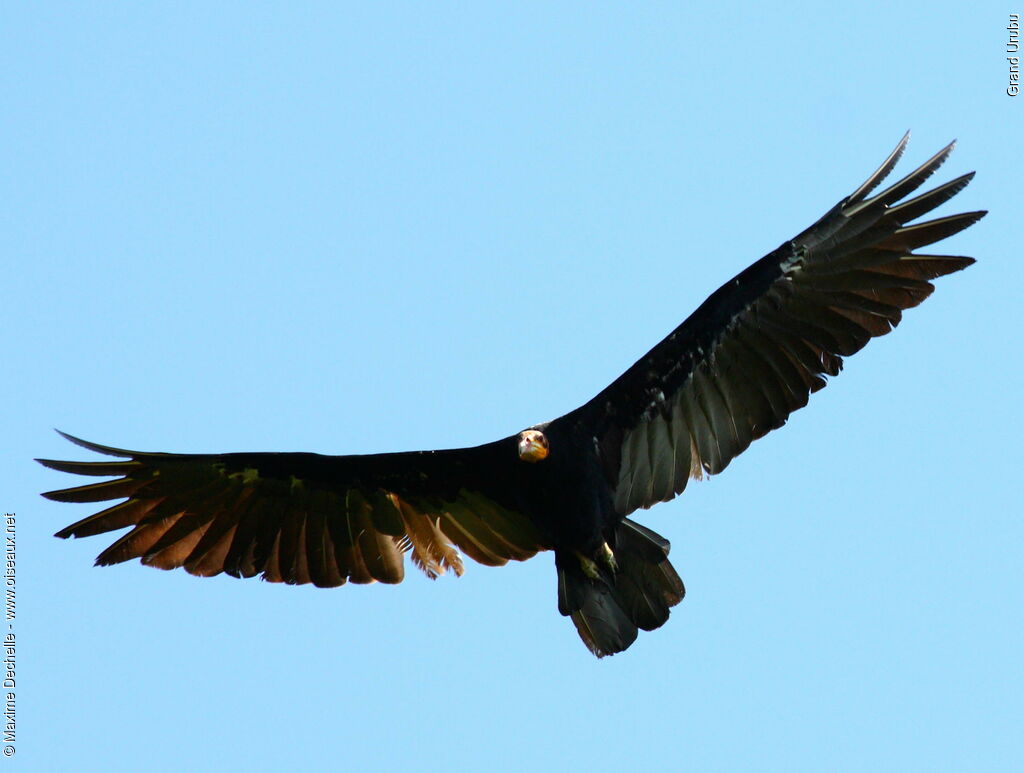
749,356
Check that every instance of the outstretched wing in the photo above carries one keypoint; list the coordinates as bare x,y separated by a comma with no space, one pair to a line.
755,350
306,518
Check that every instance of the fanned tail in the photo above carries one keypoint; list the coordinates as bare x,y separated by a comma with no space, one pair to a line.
609,610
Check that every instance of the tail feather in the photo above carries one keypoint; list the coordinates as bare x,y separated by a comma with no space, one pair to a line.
603,624
609,610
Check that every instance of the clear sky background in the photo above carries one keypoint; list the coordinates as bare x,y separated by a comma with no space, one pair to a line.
344,228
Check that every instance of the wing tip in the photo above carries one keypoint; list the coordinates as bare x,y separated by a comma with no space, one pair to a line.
882,172
98,448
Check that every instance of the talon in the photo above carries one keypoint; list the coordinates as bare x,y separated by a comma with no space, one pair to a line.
607,557
589,567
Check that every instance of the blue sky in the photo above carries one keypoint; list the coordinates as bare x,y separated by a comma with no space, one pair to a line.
356,228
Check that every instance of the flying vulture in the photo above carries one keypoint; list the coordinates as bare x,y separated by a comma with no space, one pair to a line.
736,369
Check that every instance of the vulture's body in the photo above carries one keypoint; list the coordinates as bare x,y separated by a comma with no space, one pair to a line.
733,371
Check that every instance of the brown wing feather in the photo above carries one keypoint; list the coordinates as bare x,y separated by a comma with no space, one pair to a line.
306,518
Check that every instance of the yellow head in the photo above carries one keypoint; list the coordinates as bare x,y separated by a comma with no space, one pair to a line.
533,445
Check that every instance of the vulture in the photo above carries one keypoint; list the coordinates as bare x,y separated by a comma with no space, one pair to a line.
748,357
